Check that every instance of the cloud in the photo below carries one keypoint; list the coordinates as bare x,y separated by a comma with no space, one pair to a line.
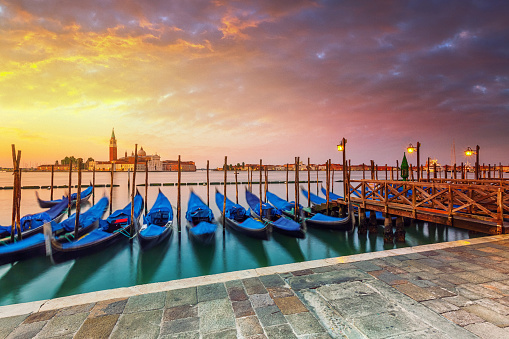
243,75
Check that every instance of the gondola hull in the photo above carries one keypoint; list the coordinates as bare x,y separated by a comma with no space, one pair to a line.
51,203
61,254
299,233
261,233
149,242
33,246
202,237
344,224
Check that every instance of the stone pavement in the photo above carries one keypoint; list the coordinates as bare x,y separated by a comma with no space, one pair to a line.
451,290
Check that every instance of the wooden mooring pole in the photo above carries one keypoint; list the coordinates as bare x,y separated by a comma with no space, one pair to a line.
16,192
327,184
297,179
236,187
93,186
132,229
69,203
208,185
146,187
78,202
287,165
261,202
266,183
225,168
111,188
52,177
309,183
179,214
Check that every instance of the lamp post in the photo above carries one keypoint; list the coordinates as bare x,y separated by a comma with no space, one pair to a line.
341,148
412,149
469,152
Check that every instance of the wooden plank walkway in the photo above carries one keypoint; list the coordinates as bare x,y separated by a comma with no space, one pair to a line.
474,205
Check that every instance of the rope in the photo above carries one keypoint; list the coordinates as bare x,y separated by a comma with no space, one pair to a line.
124,233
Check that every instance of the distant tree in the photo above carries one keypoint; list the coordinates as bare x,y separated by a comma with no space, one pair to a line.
56,162
243,164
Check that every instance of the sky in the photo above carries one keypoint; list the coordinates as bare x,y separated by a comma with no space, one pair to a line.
253,80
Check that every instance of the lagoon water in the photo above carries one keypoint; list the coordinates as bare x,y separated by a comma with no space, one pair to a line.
125,264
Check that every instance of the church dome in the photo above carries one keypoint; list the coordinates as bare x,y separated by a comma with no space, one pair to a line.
141,152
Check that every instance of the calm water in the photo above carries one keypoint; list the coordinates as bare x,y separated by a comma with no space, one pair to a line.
125,265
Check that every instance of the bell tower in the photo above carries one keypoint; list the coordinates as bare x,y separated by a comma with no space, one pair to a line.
113,146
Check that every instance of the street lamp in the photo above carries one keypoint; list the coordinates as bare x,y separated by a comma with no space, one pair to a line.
469,152
412,149
341,148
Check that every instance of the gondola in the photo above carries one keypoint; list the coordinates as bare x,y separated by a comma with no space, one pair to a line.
319,220
286,207
84,196
35,245
274,217
31,224
157,224
238,219
201,219
115,228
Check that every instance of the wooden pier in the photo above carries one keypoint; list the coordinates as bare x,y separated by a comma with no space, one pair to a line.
477,205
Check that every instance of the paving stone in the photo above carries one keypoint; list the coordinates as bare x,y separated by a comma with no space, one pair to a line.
468,293
212,292
216,315
489,315
97,327
429,333
458,300
415,292
363,305
440,292
488,331
106,307
320,279
257,336
367,266
480,290
26,330
40,316
472,277
183,325
283,331
233,283
440,305
388,324
392,261
179,312
302,272
261,300
182,335
237,293
422,283
290,305
64,325
304,323
273,280
493,305
323,269
242,308
144,324
225,334
145,302
249,326
184,296
462,317
254,286
492,274
467,266
497,287
396,270
345,290
270,315
339,267
75,309
415,256
280,292
388,277
504,301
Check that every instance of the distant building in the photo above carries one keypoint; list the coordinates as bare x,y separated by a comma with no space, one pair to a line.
144,161
185,166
